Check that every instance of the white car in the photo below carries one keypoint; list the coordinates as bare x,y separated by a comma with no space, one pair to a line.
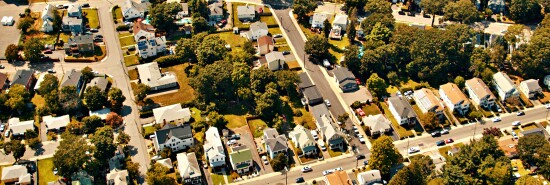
264,158
362,140
327,103
306,169
444,131
516,123
326,172
323,147
496,119
514,135
414,150
547,106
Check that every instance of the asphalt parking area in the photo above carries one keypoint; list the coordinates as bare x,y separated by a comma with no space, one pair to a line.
11,33
248,140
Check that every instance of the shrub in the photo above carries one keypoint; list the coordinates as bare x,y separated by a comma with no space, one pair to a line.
314,182
297,112
356,105
52,136
122,28
166,61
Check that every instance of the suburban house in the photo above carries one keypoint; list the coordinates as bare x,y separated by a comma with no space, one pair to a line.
241,159
82,177
318,20
402,110
213,148
172,113
534,131
16,174
312,95
131,9
151,46
340,20
174,137
530,88
36,85
497,6
149,74
47,18
184,11
274,143
246,13
4,82
74,10
427,101
454,99
345,79
338,178
74,25
18,128
330,134
24,77
56,123
189,169
166,163
215,12
378,124
119,154
265,44
79,44
142,31
101,113
302,138
118,177
480,93
275,60
504,86
370,177
257,30
99,82
72,78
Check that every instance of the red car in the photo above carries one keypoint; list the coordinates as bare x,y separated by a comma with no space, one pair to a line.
360,112
449,141
358,81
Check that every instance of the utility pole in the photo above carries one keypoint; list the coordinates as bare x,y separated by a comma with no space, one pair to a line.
475,127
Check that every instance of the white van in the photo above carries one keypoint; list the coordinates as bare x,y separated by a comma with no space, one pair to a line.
314,134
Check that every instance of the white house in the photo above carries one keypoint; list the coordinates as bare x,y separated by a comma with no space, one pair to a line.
149,74
174,137
257,30
265,44
369,177
151,47
131,9
275,144
402,110
213,148
118,177
172,113
504,86
378,124
530,88
480,93
189,169
246,13
302,138
454,99
56,123
47,18
330,135
18,128
427,101
16,174
275,60
341,20
318,20
102,113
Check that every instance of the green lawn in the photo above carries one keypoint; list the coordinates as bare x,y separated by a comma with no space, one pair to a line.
371,109
126,41
124,34
91,15
257,126
133,74
443,151
45,171
337,48
131,60
269,20
333,153
274,31
403,133
118,13
185,92
38,101
232,39
306,118
199,136
392,89
149,130
235,121
529,127
196,114
282,48
218,178
521,169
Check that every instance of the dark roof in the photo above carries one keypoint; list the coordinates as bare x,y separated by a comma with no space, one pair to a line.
169,130
81,39
312,93
275,141
343,73
71,78
533,131
21,77
100,82
304,81
402,107
3,80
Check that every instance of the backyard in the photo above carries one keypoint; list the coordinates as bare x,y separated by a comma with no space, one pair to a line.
234,40
185,92
370,109
257,126
235,121
217,178
45,171
305,120
133,74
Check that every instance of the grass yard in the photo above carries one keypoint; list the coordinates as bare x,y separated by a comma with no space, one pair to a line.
521,169
293,65
371,109
149,130
131,60
45,171
274,31
126,41
333,153
306,118
257,126
218,178
403,133
92,16
196,114
118,13
486,113
443,151
546,97
199,136
529,127
133,74
235,121
232,39
64,37
185,92
38,101
124,34
337,48
269,20
516,130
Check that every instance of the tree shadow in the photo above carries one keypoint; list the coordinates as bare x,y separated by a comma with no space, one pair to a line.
125,110
39,150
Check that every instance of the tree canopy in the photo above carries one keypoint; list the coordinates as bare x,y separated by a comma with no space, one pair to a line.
525,10
463,11
163,15
70,155
303,7
33,49
384,156
95,98
12,52
317,47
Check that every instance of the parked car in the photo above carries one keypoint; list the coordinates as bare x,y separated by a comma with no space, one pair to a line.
327,103
547,105
444,131
323,147
496,119
277,36
401,13
414,150
2,66
306,169
7,134
314,134
300,180
520,113
449,141
235,136
48,51
264,159
436,134
358,81
426,15
286,52
2,127
94,30
131,48
366,162
360,156
85,5
499,109
514,135
516,123
440,143
362,140
51,71
326,172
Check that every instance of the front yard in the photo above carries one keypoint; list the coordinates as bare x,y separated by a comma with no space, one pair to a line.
131,60
402,131
126,40
45,171
92,16
257,127
185,92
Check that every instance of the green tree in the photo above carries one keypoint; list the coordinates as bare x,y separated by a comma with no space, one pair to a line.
260,78
384,155
268,103
429,121
33,49
157,175
50,84
287,80
317,47
200,25
34,143
185,50
303,7
352,60
52,100
326,28
213,83
95,98
87,74
377,85
525,10
210,50
163,15
24,24
379,33
459,81
29,134
114,120
70,155
418,172
75,127
57,21
497,54
463,11
351,31
528,146
512,32
12,52
17,97
216,120
133,169
103,140
91,123
528,180
17,149
116,98
141,91
378,6
386,20
432,7
479,60
279,162
123,138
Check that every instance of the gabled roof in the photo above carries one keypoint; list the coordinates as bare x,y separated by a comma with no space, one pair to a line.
56,122
275,141
188,165
213,144
338,178
214,9
20,127
102,113
74,8
3,80
141,7
479,88
117,177
240,154
21,77
402,106
340,19
503,81
140,26
71,21
302,135
258,26
454,93
48,11
427,99
370,176
377,122
150,75
184,7
71,78
343,73
304,81
246,10
319,17
169,130
166,163
12,172
81,39
265,40
171,113
100,82
531,84
274,55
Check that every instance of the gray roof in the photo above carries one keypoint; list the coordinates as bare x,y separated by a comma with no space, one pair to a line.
402,107
12,172
214,9
74,8
100,82
532,84
258,25
275,141
81,39
71,78
71,21
312,93
304,81
21,77
343,73
169,130
188,165
533,131
274,55
246,10
185,7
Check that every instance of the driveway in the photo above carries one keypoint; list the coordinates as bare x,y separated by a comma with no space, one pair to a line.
11,33
330,8
248,140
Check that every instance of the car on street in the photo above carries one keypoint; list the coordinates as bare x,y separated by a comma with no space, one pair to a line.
358,81
516,123
85,5
286,52
449,141
59,6
2,66
306,169
327,103
264,159
444,131
401,13
323,147
51,71
277,36
410,14
436,134
496,119
366,162
514,135
235,136
362,140
440,143
547,105
7,134
94,30
326,172
300,180
520,113
414,150
360,156
326,63
499,109
314,134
